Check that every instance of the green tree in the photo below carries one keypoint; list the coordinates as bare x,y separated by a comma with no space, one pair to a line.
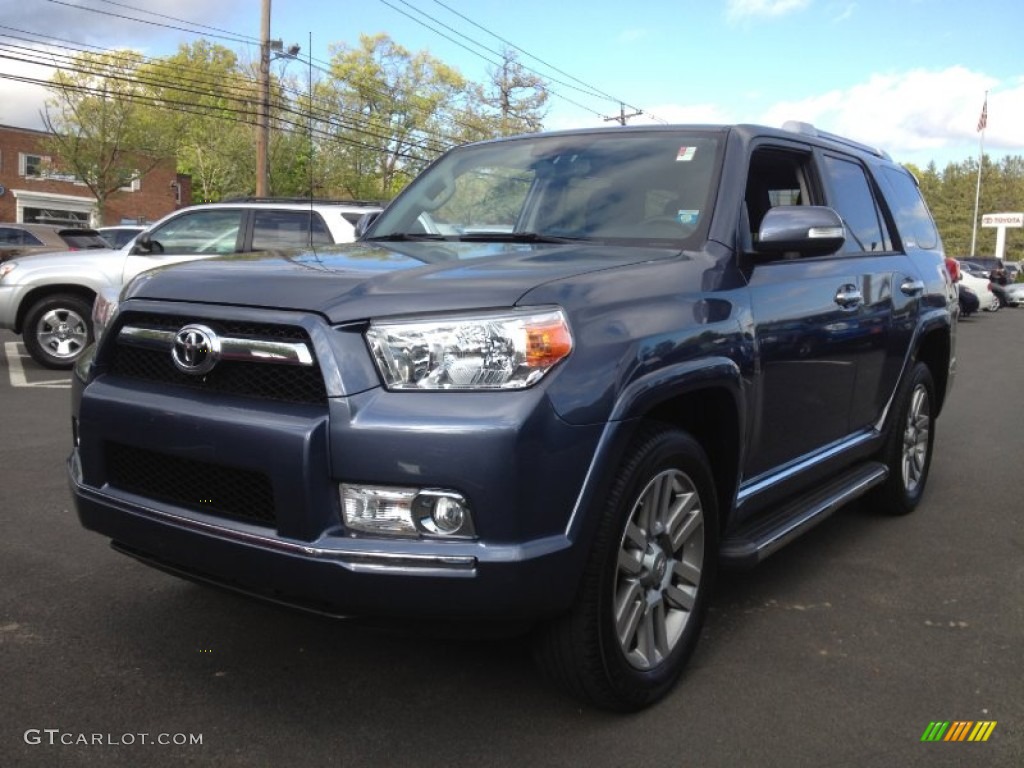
207,105
386,112
100,130
951,197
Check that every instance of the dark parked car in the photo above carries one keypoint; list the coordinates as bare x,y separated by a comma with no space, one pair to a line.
560,380
25,239
983,266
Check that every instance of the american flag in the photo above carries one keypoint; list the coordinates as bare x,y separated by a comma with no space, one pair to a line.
983,120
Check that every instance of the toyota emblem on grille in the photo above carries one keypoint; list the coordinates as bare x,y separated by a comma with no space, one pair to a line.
196,349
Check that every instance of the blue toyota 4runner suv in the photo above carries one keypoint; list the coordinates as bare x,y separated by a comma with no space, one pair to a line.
561,379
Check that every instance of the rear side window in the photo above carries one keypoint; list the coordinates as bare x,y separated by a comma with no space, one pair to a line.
288,229
915,224
76,240
850,194
15,236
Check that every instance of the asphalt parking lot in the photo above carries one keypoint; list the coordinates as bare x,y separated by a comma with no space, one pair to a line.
838,651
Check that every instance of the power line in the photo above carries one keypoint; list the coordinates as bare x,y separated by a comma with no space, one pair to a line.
232,38
189,107
238,38
248,40
586,91
429,146
239,87
480,55
253,40
510,44
592,88
241,94
246,84
407,103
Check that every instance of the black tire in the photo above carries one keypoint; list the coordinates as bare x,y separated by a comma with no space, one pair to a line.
659,582
908,447
57,330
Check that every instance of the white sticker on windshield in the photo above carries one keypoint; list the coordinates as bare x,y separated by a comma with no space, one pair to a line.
686,154
687,217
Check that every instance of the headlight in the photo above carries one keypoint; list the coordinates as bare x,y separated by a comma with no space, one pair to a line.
6,268
508,350
104,312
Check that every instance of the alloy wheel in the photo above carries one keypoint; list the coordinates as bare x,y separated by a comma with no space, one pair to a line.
660,561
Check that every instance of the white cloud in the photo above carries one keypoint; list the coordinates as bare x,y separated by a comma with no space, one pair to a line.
21,102
631,35
917,115
844,14
114,25
743,9
69,27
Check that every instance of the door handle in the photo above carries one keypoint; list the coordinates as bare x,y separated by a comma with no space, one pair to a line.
849,296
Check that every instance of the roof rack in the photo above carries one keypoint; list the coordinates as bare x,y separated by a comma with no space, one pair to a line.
307,200
796,126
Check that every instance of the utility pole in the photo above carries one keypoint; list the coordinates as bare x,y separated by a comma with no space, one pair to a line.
263,117
621,119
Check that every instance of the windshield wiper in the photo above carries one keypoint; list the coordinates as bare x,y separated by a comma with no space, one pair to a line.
516,237
405,237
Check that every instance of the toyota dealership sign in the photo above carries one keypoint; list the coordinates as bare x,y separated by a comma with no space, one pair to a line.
1003,220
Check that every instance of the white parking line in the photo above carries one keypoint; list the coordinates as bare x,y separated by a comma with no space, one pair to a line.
17,371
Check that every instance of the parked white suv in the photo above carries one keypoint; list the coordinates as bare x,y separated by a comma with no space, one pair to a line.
48,298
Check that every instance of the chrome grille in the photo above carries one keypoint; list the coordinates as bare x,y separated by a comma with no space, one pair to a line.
143,349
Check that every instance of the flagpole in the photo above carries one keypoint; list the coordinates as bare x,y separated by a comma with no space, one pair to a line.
982,125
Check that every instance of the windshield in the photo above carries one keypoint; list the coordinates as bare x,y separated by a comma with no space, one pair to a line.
643,185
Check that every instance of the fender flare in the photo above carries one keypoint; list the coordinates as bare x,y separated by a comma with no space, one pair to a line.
637,399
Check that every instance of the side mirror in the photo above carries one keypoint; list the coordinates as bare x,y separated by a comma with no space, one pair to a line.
143,244
809,230
364,223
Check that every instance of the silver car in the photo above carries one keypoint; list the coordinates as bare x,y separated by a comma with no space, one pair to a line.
48,298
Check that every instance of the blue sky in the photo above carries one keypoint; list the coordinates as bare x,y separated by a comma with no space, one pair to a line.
907,75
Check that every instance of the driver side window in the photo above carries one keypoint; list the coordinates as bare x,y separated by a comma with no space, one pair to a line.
776,177
200,232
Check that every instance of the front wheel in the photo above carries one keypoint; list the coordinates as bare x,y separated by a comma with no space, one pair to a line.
57,330
646,586
908,448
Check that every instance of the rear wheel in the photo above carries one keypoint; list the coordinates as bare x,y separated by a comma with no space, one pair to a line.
908,449
645,590
57,330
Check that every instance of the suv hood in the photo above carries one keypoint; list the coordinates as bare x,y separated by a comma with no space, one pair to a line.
55,259
363,280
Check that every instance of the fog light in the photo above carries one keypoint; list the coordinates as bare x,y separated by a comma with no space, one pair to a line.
443,513
392,511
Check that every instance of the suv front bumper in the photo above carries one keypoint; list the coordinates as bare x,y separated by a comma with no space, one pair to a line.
522,472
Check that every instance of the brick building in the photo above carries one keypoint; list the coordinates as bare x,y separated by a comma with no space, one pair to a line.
30,191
